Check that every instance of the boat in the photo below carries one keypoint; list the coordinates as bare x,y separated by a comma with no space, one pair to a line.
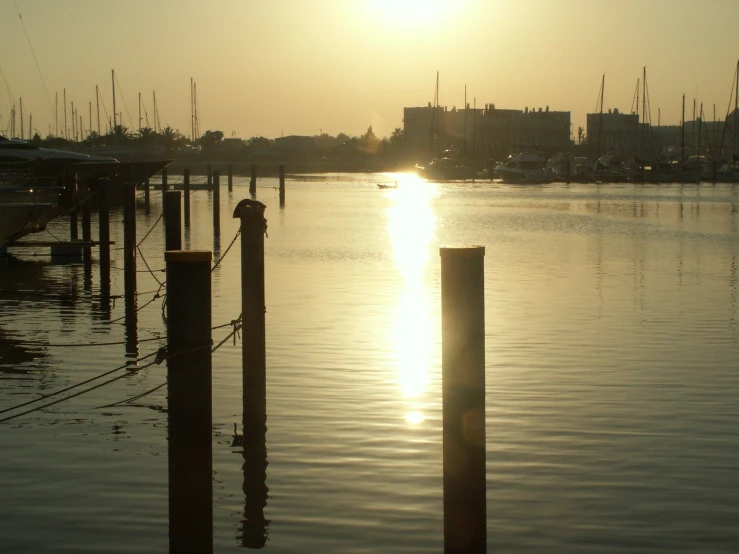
388,185
33,182
526,167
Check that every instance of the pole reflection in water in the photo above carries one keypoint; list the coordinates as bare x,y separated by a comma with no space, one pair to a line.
253,528
411,224
132,328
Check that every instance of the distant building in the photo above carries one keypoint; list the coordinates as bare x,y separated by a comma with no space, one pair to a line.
484,132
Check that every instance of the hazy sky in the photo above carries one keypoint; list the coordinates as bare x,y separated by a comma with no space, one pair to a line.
267,67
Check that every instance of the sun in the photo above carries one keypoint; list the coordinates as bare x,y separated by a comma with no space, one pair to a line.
409,12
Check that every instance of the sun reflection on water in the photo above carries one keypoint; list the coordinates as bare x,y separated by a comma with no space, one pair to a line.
411,224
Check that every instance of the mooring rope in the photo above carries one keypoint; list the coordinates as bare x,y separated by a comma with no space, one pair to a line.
215,265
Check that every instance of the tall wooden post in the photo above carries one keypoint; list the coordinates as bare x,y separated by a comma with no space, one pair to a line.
253,228
71,194
186,190
172,220
282,185
463,399
87,228
129,239
189,368
165,185
230,177
253,180
104,243
146,194
217,203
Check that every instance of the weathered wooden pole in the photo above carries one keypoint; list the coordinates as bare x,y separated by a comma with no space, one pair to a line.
129,239
282,184
104,243
146,194
165,185
230,177
87,228
463,398
253,352
186,190
189,414
70,191
253,180
217,203
172,220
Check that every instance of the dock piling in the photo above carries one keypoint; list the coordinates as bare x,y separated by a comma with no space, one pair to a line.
253,180
103,186
282,185
165,185
253,353
189,369
230,177
463,398
217,203
172,220
186,190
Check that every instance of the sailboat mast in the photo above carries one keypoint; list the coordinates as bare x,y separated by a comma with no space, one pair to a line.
700,124
65,115
30,126
89,131
56,114
600,118
682,134
97,102
139,113
644,96
465,122
20,101
115,115
192,114
736,113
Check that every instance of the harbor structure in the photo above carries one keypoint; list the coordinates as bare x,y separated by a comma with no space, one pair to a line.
487,132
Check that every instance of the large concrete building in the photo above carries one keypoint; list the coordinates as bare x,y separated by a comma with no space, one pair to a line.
486,132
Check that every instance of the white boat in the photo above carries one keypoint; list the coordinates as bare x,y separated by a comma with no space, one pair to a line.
524,168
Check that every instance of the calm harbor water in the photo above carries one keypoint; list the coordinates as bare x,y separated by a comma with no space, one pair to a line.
611,369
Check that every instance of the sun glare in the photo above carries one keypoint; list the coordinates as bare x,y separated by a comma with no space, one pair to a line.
408,12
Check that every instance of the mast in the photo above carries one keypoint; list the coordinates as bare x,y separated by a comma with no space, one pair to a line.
115,122
192,114
636,139
465,122
736,114
66,134
90,128
97,103
73,123
20,102
600,117
139,113
156,112
56,114
682,134
700,124
30,127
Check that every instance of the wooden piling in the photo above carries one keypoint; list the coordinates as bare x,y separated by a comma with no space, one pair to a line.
146,194
172,201
129,239
463,398
253,180
87,228
186,190
230,177
103,186
209,173
217,203
189,414
282,184
165,185
70,197
253,352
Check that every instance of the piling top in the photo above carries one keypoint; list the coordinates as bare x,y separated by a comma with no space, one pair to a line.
188,256
249,206
462,251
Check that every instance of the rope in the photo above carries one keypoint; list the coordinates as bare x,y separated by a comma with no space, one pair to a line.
157,295
238,232
161,215
72,387
147,267
51,345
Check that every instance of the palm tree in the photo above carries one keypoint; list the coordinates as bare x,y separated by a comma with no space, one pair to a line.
171,139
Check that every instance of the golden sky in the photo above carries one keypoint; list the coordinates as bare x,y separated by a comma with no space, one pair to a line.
272,67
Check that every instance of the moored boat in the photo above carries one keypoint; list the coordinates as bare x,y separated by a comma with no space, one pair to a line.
524,168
